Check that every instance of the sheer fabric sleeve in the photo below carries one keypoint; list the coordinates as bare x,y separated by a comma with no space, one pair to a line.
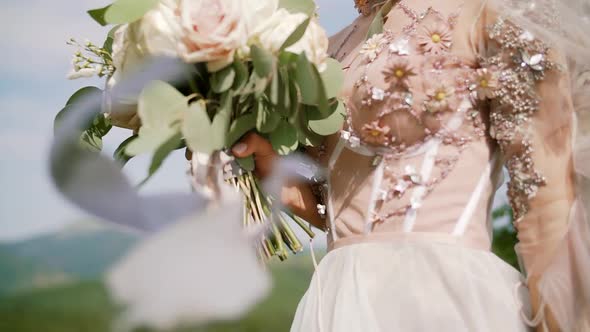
534,121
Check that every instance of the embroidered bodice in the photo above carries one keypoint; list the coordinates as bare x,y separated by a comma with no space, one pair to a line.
437,104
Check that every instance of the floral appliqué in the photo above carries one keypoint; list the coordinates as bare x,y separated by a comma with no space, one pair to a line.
398,73
374,133
373,46
435,38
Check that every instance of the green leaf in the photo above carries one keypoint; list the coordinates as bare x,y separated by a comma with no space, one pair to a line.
85,92
160,108
263,61
240,127
304,134
247,163
223,80
174,142
221,121
127,11
266,120
160,105
90,141
284,139
119,155
376,26
296,35
284,98
196,128
108,43
149,139
307,81
91,133
331,124
299,6
98,15
241,75
332,78
273,89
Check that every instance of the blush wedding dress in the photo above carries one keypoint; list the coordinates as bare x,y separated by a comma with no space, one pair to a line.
438,102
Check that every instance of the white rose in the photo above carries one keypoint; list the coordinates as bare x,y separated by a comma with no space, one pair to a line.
155,34
274,31
256,13
213,31
315,44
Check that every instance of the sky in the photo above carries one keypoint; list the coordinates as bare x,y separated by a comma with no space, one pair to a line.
35,60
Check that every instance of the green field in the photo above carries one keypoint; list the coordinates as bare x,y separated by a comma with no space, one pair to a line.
45,286
85,306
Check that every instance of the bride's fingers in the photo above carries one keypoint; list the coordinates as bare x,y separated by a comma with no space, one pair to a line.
253,144
260,148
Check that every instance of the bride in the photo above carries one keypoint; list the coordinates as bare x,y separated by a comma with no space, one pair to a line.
439,100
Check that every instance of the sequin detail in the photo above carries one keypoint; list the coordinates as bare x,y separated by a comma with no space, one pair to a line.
522,61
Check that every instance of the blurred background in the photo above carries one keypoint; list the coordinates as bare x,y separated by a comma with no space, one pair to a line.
45,285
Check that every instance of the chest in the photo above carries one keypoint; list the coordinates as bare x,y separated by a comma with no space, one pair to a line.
415,81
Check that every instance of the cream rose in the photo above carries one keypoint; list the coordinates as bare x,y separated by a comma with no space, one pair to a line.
156,34
274,31
315,44
212,31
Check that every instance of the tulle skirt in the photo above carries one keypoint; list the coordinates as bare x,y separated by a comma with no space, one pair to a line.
394,286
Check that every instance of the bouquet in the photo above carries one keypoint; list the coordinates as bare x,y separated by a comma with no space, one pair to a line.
248,66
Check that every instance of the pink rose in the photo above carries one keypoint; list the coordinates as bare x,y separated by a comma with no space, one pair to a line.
213,31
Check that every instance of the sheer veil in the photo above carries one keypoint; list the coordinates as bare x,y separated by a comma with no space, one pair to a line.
564,25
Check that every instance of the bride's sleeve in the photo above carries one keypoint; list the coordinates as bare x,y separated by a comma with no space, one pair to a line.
533,120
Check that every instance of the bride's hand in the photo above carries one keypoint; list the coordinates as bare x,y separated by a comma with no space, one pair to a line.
255,145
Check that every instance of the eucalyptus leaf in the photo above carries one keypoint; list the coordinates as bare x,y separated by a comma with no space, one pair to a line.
98,15
332,78
222,80
263,61
266,120
304,134
284,139
241,78
119,155
307,7
331,124
174,142
378,22
127,11
296,35
247,163
160,105
196,128
85,92
90,141
221,121
108,43
273,88
240,127
307,80
284,97
149,139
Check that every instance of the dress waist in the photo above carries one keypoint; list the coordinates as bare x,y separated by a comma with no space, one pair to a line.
411,238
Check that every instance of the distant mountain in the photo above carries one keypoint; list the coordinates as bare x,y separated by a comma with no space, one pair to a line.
82,252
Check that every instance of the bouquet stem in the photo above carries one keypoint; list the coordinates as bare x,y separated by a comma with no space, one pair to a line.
258,210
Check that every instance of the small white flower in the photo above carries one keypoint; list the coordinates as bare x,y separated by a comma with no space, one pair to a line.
83,73
373,46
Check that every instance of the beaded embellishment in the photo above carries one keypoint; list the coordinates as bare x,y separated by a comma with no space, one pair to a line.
520,63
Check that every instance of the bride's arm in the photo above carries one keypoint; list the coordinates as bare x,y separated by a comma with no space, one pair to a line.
296,195
531,119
